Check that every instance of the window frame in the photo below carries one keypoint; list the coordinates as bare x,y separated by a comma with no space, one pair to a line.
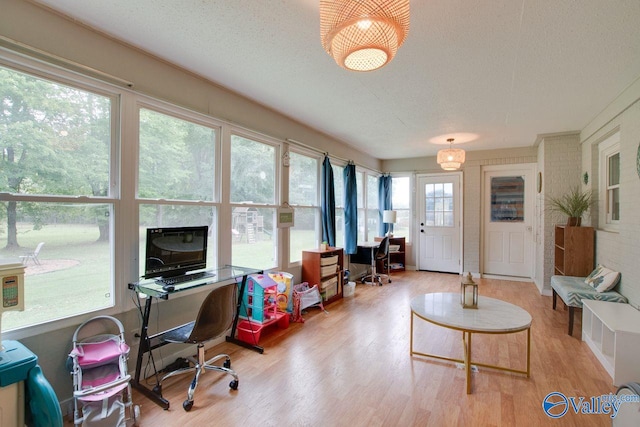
118,259
316,206
607,149
228,206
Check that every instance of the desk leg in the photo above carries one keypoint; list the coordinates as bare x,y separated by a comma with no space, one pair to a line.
466,340
232,337
142,349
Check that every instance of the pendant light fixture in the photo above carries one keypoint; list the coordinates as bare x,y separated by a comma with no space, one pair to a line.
450,159
363,35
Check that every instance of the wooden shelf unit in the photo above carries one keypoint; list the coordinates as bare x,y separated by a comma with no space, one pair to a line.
315,262
395,258
574,251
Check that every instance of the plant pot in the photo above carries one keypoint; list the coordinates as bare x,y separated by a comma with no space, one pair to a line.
574,222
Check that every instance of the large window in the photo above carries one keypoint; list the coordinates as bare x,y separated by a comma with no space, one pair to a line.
401,202
304,197
176,170
610,181
253,203
372,207
57,170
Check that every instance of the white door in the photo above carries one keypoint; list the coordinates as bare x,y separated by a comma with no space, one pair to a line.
439,212
508,214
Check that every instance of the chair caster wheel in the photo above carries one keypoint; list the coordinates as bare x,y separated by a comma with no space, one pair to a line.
227,364
187,405
233,385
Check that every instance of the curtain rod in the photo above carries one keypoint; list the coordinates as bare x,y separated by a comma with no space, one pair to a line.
302,144
51,59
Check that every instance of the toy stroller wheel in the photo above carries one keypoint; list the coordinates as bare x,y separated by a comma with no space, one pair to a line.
187,405
227,364
234,385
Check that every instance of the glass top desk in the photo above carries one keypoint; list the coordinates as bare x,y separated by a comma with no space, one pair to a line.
153,289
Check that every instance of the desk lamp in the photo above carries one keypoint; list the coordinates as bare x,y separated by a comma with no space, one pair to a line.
389,217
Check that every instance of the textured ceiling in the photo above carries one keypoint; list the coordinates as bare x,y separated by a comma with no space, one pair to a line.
491,74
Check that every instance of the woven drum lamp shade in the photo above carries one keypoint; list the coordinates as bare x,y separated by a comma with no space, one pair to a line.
450,159
363,35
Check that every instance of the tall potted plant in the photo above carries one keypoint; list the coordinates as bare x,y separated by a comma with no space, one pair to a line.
573,204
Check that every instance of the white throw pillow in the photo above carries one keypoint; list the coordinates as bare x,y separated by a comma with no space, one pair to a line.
603,279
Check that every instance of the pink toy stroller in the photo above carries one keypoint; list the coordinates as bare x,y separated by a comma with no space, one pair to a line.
101,382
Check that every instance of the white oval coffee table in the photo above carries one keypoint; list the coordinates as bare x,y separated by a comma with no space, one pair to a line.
492,316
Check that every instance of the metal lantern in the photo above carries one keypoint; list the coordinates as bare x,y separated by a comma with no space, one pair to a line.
468,292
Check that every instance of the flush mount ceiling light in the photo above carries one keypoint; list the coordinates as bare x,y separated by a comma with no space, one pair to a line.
363,35
451,159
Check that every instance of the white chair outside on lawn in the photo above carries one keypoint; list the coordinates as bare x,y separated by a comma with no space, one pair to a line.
32,255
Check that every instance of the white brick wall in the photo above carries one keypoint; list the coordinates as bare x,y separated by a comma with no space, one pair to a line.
561,171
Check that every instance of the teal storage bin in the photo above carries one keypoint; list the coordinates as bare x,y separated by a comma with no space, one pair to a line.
15,362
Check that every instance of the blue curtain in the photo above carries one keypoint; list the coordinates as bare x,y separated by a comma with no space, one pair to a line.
350,209
384,201
328,204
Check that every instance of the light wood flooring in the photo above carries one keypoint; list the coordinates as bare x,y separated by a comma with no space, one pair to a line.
351,367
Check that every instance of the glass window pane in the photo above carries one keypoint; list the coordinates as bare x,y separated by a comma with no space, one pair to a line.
431,204
614,169
431,219
253,176
339,227
361,225
439,219
429,190
303,234
177,158
360,189
401,227
372,192
448,219
448,204
158,215
400,192
615,205
50,134
507,199
75,271
438,190
303,180
253,239
448,189
338,185
372,224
